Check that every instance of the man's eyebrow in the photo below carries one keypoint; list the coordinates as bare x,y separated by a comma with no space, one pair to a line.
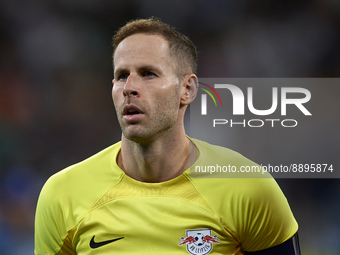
147,67
140,68
150,68
120,70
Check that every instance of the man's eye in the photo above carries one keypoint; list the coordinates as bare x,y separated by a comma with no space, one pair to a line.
148,74
123,76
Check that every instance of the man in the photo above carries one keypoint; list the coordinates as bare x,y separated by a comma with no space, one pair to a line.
137,196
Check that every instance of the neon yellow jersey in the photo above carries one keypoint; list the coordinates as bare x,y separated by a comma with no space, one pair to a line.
93,207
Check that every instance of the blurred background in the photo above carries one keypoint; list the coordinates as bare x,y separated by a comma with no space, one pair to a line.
55,89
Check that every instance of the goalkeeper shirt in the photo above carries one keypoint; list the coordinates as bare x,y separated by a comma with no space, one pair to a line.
93,207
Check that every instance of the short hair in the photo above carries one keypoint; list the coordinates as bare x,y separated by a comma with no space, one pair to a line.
182,49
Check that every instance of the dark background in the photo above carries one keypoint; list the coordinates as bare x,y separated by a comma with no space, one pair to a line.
55,89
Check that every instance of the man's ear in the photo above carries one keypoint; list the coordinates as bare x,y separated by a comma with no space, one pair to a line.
190,89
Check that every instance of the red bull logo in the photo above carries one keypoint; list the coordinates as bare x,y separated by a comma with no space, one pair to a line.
209,239
199,241
189,240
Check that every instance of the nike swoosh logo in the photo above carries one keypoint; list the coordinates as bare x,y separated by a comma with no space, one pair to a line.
95,245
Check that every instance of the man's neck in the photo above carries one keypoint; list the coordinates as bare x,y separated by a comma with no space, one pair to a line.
158,161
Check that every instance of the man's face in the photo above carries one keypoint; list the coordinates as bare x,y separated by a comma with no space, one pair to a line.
145,90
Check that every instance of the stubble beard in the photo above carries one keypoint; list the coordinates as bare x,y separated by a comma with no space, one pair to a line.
162,117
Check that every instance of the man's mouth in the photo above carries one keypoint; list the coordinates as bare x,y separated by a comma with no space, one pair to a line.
132,113
131,110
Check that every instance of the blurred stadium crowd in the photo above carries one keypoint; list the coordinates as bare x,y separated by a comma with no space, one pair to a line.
55,88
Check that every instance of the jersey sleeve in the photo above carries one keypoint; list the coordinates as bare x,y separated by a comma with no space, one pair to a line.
267,220
51,235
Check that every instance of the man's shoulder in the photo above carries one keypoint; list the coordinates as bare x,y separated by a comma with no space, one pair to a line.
217,155
231,175
84,179
241,199
90,167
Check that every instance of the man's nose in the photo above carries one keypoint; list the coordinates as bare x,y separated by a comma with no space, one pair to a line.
131,86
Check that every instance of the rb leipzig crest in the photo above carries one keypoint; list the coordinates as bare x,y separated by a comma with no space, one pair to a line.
199,241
